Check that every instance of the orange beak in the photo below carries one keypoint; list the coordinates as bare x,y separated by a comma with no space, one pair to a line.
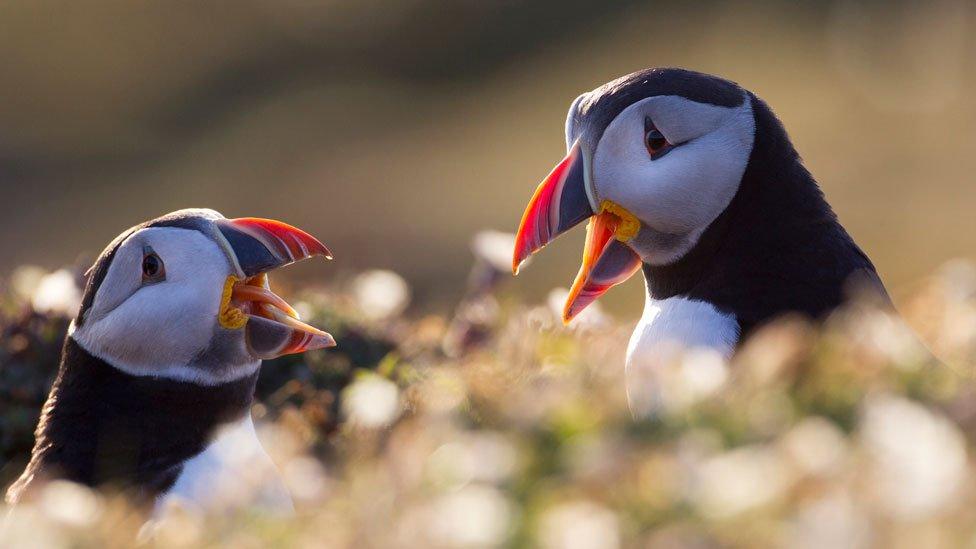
607,261
562,201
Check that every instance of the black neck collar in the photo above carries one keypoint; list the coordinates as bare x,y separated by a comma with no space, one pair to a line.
103,426
776,248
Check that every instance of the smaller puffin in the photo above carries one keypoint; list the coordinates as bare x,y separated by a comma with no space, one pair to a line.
693,180
158,370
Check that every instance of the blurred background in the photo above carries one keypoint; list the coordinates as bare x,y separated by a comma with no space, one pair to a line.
397,130
456,410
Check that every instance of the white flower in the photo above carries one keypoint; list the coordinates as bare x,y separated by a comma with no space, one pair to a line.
494,247
57,293
28,526
371,401
671,378
739,480
71,504
833,520
473,516
919,457
485,457
495,456
25,280
579,525
381,294
305,478
590,317
816,447
888,337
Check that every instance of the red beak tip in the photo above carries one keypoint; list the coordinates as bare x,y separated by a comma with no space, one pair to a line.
316,248
519,261
284,239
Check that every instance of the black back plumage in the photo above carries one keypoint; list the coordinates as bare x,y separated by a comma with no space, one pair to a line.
103,427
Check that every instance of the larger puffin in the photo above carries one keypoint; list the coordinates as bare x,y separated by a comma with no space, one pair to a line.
693,180
159,367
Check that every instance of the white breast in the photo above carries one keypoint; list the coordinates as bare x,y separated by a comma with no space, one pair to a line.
233,472
669,329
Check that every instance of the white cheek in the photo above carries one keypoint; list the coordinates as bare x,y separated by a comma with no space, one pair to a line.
692,185
685,190
163,329
145,336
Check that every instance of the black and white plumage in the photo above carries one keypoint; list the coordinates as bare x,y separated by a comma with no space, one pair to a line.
694,181
158,371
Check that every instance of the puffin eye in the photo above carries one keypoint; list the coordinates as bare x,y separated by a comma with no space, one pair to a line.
153,269
657,145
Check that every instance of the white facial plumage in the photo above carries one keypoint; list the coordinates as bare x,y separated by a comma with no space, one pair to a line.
169,327
675,196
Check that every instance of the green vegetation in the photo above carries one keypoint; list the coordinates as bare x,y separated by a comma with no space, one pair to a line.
522,436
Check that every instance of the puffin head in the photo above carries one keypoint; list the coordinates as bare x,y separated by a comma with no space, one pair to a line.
186,297
654,158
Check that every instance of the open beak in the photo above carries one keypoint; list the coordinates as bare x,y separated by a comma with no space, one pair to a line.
560,203
272,326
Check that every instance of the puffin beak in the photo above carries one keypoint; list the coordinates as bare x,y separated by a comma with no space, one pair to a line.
272,326
607,261
560,203
260,245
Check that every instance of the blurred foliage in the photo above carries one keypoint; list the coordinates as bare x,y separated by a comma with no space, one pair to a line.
850,434
30,348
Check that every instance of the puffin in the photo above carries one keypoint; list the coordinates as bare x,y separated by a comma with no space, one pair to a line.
158,370
693,181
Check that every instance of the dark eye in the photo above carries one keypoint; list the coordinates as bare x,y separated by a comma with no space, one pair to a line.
657,145
152,267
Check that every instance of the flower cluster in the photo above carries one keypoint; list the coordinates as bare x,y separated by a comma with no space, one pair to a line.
847,434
